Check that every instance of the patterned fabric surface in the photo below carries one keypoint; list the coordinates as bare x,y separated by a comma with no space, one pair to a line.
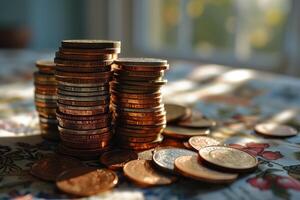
236,98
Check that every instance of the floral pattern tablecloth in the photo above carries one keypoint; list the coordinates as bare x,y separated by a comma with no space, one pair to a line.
236,98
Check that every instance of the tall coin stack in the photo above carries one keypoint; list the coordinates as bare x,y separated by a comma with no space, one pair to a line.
139,114
45,98
83,73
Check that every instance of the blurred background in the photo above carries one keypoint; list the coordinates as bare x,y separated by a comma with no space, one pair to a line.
258,34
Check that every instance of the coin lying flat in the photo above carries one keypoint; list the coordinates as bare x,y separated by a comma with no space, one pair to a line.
164,158
86,181
198,142
191,167
116,159
175,112
101,44
180,132
49,168
228,158
275,130
142,173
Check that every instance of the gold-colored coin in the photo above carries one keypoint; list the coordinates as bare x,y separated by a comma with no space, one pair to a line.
86,181
143,173
198,142
191,167
182,133
228,158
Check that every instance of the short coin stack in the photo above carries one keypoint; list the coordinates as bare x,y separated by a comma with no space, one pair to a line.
83,74
139,113
45,98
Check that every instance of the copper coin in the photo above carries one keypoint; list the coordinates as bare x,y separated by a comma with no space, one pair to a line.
48,120
89,126
77,63
140,123
198,142
49,168
135,90
48,97
81,51
83,75
91,44
139,73
148,118
171,142
45,105
141,146
136,106
86,145
62,55
79,118
116,159
191,167
146,128
84,69
119,78
228,158
44,77
275,130
81,138
87,82
137,132
165,158
83,94
83,112
83,154
84,103
179,132
137,96
50,89
45,66
83,99
175,112
142,173
145,110
86,181
136,101
45,110
143,139
80,132
103,120
160,113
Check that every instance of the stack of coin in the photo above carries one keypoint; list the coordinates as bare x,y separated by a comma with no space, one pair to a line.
45,98
83,73
139,114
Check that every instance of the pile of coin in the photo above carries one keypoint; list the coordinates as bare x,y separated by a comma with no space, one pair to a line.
45,98
83,73
139,114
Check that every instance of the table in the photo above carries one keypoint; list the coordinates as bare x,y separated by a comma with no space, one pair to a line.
236,98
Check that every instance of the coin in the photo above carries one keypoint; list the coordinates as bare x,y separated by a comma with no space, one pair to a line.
228,158
141,146
50,167
116,159
86,181
181,133
85,69
82,51
175,112
87,145
45,66
198,142
68,56
275,130
140,73
191,167
142,173
81,138
82,89
78,118
84,103
83,94
91,44
82,85
164,158
94,131
195,122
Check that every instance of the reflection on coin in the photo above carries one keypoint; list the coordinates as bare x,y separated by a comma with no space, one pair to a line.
164,158
86,181
180,132
198,142
276,130
49,168
175,112
142,173
228,158
191,167
196,122
116,159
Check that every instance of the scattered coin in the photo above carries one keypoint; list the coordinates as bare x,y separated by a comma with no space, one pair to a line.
191,167
142,173
86,181
228,158
49,168
116,159
175,112
183,133
198,142
275,130
164,158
